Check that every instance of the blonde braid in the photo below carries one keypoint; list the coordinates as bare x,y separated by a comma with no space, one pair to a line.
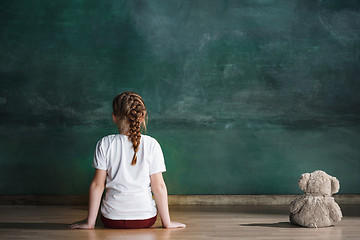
134,132
133,108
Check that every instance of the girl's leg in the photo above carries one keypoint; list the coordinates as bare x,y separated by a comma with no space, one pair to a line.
128,224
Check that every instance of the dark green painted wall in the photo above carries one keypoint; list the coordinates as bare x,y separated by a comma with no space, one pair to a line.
243,96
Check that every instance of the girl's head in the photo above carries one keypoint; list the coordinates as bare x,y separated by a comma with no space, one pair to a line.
130,115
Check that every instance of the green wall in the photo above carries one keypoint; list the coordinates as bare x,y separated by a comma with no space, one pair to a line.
243,96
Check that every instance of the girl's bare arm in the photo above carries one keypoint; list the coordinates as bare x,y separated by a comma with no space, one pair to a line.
158,187
96,190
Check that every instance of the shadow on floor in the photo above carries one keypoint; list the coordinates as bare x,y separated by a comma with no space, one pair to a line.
37,226
275,225
272,210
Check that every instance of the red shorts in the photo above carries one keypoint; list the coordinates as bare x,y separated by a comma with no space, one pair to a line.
145,223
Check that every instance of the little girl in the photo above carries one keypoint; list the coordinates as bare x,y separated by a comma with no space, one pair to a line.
130,163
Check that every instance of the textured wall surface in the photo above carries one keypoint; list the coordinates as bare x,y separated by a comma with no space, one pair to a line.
243,96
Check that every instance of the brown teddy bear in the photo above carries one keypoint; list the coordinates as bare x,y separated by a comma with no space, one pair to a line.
316,208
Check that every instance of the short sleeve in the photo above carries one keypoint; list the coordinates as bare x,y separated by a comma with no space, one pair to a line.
157,163
99,156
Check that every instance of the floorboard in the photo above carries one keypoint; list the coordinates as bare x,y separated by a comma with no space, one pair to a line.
203,222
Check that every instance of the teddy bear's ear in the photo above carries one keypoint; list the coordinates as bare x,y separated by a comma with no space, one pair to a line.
335,185
303,180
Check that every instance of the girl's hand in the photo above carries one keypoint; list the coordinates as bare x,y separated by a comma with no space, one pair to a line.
82,225
175,225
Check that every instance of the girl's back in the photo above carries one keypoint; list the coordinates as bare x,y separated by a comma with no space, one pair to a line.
128,193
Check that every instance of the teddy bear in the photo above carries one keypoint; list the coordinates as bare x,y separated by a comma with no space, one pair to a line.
316,208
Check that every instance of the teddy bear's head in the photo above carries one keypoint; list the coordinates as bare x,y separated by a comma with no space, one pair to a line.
319,182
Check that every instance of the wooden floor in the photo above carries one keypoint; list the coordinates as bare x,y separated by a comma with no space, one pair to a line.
203,222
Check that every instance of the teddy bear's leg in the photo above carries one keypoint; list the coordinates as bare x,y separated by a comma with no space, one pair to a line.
334,212
291,218
299,221
294,219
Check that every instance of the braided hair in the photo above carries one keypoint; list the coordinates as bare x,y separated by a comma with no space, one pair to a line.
129,108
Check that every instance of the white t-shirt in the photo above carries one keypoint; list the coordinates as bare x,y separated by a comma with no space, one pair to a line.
128,192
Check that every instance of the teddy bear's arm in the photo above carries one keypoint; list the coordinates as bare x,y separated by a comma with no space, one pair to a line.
297,204
334,211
